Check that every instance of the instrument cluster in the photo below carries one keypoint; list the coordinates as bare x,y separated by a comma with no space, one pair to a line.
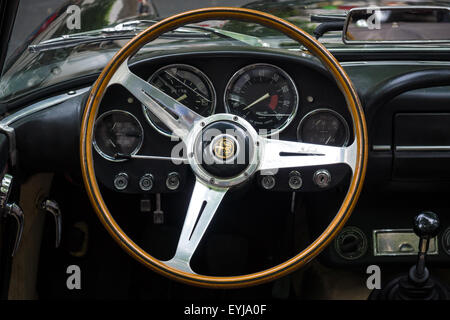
264,94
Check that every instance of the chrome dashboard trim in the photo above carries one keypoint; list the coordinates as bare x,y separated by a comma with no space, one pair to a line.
41,105
381,147
376,253
31,109
395,63
422,148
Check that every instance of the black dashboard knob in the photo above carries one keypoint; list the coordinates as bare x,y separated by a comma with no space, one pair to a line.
426,224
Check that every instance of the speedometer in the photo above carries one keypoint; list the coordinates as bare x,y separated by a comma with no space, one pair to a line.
264,95
186,84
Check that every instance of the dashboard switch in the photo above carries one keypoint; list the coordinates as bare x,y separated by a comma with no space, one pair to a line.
146,182
173,181
121,181
268,182
295,180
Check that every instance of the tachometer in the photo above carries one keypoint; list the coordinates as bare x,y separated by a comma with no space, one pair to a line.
325,127
186,84
117,132
264,95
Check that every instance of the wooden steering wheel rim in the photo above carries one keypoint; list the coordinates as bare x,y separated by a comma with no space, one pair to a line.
314,47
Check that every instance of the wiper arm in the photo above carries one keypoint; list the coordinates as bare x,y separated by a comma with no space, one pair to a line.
125,30
128,30
73,41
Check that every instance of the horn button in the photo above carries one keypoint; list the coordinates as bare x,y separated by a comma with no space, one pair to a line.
224,149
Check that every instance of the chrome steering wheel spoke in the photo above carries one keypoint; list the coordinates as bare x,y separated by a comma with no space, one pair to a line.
278,154
202,208
176,116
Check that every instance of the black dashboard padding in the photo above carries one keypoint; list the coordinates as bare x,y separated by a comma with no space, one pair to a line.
48,140
421,165
434,129
391,88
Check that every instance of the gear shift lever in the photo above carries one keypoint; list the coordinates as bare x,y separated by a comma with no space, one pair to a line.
418,284
426,227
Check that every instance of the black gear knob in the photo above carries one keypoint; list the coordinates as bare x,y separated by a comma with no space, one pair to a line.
426,224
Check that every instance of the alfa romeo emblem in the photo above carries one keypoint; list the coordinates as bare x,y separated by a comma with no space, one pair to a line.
224,147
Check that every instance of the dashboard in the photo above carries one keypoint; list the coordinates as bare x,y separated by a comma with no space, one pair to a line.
285,95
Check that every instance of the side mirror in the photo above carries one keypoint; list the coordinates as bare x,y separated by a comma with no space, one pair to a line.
397,25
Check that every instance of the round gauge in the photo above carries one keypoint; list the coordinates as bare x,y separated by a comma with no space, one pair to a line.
117,132
186,84
264,95
325,127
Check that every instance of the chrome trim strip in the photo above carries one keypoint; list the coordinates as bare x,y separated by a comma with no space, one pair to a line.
22,113
381,147
375,244
41,105
422,148
394,63
405,49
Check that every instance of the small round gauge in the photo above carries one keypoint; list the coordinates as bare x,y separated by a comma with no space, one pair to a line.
264,95
117,132
325,127
186,84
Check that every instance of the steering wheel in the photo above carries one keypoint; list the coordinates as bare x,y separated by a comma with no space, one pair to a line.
213,180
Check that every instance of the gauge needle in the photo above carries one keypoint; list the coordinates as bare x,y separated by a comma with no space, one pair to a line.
113,144
168,85
184,84
256,101
184,96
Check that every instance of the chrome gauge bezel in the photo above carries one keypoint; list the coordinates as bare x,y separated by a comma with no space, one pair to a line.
281,71
196,71
98,149
335,113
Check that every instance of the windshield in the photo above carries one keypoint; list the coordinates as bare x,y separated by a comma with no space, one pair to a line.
58,40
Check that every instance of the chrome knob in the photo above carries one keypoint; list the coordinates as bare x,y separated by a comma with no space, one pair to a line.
121,181
295,180
173,181
268,182
146,182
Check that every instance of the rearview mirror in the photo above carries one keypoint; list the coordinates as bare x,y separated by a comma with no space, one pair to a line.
413,24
